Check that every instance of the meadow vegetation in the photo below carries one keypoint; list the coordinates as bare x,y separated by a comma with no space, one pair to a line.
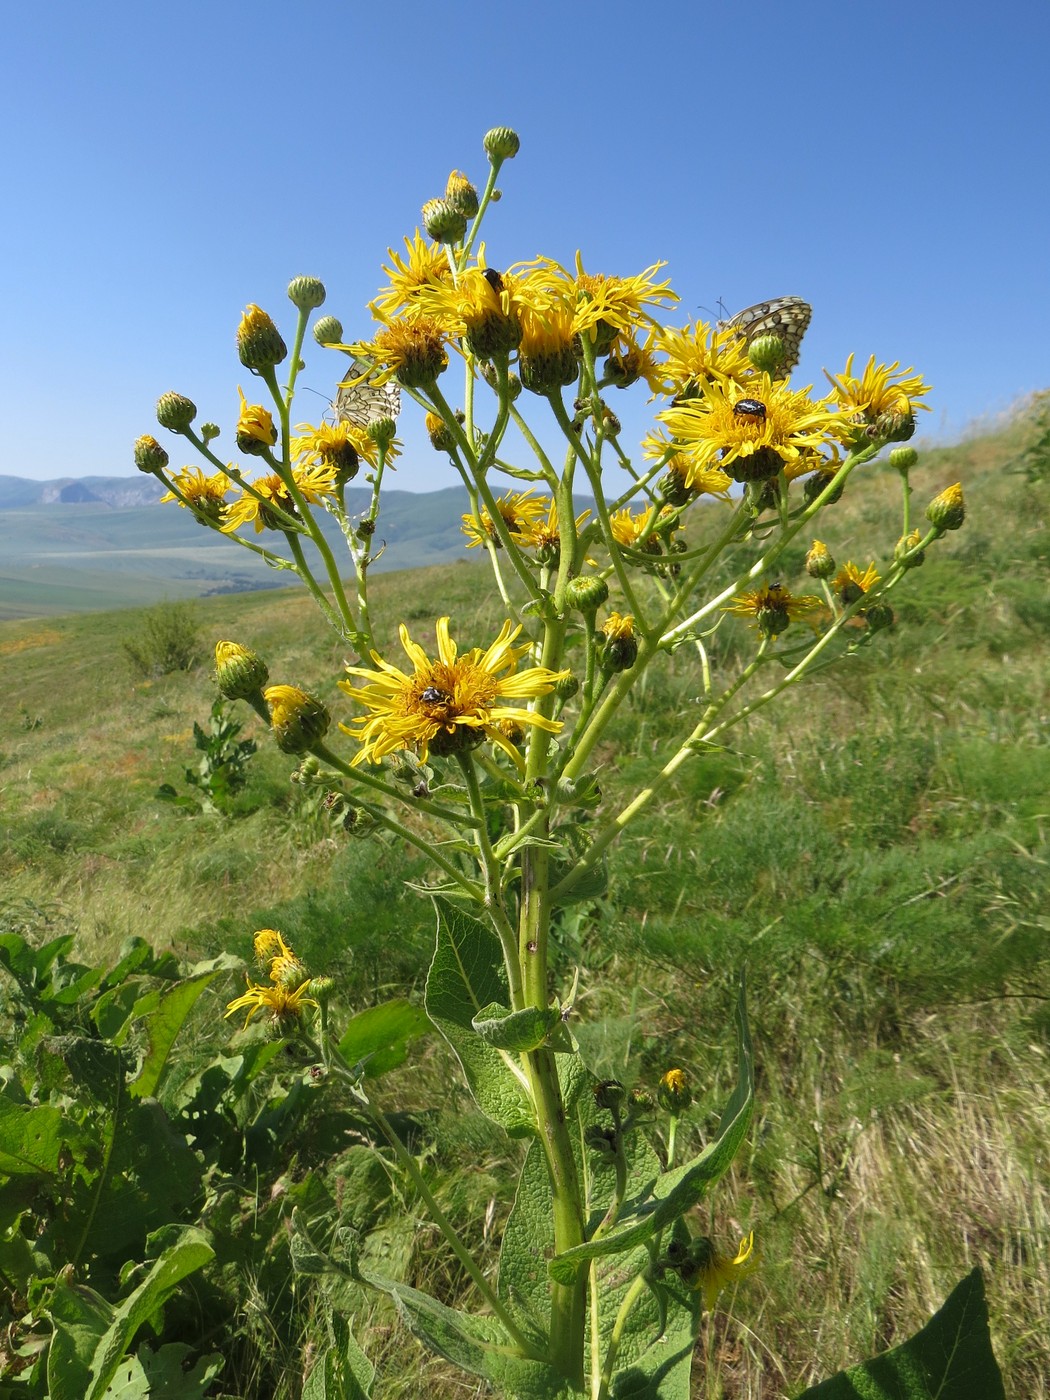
875,854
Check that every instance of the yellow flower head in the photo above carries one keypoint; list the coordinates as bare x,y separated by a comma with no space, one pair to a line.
712,1272
635,531
880,389
519,511
449,704
850,583
205,495
772,608
410,349
619,627
544,535
481,310
698,355
270,494
284,1004
754,432
259,342
604,306
425,266
255,428
338,446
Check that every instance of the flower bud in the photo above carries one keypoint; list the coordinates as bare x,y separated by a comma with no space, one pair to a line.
819,563
381,431
255,433
879,616
210,431
642,1103
905,545
761,465
621,647
239,672
175,412
491,378
673,488
443,223
150,457
903,458
328,331
767,353
610,1094
321,988
587,593
674,1094
439,432
501,143
947,511
566,686
298,720
815,486
306,293
601,1141
259,342
461,195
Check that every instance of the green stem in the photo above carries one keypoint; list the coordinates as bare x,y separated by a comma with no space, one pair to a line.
632,1296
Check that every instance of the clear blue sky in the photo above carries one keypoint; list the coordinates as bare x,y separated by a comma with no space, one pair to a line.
164,165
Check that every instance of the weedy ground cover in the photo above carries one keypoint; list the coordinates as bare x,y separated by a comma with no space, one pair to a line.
876,856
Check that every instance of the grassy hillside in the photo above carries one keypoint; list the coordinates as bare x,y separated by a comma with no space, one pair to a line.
874,851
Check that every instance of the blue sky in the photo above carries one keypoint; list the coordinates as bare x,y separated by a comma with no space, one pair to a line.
164,166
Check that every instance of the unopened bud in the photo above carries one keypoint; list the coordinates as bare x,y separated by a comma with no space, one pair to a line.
904,546
239,672
947,511
210,431
587,593
328,331
674,1093
298,720
903,458
501,143
819,563
461,194
767,353
878,617
307,293
259,342
150,457
610,1094
381,431
175,412
443,223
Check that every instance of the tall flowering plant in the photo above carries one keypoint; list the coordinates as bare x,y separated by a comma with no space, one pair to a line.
482,753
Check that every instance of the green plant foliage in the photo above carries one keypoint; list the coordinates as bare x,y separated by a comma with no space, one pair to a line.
221,772
169,640
951,1358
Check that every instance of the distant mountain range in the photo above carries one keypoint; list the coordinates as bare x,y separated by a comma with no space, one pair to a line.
79,544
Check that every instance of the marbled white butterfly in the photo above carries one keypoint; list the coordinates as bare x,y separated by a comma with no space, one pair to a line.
363,403
786,317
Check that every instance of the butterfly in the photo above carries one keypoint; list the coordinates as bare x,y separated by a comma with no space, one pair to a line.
786,317
364,402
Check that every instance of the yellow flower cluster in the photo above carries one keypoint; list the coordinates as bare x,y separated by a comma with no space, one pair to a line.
285,995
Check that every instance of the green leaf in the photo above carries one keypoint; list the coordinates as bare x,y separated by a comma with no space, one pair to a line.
171,1377
668,1196
30,1139
343,1371
164,1015
91,1337
379,1037
515,1030
465,976
951,1358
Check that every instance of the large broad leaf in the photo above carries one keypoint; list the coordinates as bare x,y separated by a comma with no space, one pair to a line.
377,1039
91,1337
31,1139
342,1371
466,976
667,1196
164,1014
951,1358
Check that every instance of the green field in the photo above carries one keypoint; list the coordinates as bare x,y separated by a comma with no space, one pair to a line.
874,851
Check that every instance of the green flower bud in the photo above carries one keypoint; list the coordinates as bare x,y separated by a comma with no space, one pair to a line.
461,195
501,143
903,458
566,686
819,562
381,431
298,720
239,672
761,465
610,1094
150,457
210,431
587,593
815,485
443,223
673,488
306,293
328,330
601,1141
878,616
905,545
766,353
175,412
259,342
674,1094
947,511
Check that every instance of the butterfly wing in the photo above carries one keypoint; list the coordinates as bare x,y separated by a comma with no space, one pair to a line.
786,317
364,402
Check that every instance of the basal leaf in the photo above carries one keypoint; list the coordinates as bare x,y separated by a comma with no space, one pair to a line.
465,976
951,1358
164,1014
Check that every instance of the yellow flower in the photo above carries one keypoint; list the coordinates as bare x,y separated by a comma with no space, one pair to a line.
604,306
628,529
337,446
205,495
284,1004
313,483
673,1093
712,1272
697,355
880,389
519,510
754,432
480,309
426,266
447,705
547,358
850,583
254,426
544,535
772,608
410,349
